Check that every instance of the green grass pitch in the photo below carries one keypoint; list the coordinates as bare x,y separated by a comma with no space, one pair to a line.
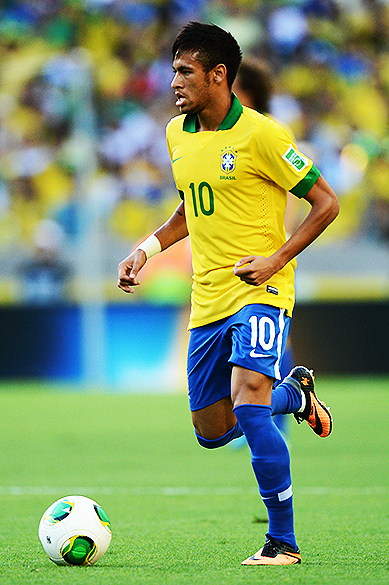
184,515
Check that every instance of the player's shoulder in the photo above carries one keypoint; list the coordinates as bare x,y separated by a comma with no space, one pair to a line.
253,117
175,124
264,128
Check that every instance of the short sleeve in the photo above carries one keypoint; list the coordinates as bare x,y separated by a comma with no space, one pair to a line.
279,160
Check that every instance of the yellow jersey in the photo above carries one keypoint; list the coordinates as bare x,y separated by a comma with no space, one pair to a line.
234,183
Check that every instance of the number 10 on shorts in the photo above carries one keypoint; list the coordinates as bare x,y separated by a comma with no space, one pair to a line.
263,331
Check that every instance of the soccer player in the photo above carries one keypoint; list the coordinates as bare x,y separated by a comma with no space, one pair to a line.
233,168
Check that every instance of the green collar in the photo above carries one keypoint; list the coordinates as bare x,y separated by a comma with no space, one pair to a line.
229,121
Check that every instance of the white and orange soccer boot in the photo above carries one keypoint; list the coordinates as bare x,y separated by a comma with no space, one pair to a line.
274,553
316,413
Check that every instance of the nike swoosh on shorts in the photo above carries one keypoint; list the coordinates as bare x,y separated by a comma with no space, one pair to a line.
254,354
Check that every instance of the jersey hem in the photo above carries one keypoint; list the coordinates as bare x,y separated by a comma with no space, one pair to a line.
227,314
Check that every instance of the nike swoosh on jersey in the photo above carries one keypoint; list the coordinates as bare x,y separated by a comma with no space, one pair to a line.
176,159
253,353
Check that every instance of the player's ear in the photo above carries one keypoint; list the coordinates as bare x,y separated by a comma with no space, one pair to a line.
219,73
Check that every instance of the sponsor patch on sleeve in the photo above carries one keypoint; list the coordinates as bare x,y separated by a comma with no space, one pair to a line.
295,159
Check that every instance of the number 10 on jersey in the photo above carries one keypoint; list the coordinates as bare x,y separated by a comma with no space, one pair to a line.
202,198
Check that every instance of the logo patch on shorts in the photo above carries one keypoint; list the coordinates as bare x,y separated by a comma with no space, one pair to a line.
295,159
272,289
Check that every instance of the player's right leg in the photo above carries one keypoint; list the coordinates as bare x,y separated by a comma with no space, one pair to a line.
251,394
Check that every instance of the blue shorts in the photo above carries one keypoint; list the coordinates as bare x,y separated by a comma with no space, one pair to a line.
254,338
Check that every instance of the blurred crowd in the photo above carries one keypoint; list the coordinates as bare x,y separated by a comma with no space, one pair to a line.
85,97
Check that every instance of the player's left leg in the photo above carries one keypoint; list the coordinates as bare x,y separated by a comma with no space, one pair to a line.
216,425
296,394
209,382
313,410
287,363
287,397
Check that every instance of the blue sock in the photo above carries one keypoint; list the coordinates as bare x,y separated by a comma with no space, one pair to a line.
234,433
281,421
287,363
271,465
286,397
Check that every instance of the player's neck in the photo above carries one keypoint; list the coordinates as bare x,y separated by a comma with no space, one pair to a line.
209,119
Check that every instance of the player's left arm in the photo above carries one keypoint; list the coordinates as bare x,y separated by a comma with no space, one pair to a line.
256,270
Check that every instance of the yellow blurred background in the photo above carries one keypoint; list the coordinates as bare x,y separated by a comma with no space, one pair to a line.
84,171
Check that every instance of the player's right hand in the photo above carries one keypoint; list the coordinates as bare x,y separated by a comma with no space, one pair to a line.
128,270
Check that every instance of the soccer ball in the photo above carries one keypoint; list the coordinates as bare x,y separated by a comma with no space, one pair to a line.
75,530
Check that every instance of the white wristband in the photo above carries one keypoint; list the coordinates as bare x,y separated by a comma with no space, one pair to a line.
150,246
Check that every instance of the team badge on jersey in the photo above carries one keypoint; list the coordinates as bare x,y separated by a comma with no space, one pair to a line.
228,160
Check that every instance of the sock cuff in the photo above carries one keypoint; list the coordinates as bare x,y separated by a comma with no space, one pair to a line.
233,433
266,406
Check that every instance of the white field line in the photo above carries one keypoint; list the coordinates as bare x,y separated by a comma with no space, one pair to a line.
183,491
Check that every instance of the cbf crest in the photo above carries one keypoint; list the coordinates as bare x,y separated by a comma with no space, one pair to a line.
228,160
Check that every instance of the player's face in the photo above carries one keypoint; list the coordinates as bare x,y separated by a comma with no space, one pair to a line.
191,84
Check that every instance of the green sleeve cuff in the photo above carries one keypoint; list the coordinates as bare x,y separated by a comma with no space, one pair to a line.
302,188
181,194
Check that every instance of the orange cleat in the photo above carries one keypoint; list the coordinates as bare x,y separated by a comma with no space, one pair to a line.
316,413
274,553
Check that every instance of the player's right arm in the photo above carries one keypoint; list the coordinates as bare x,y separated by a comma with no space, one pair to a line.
172,231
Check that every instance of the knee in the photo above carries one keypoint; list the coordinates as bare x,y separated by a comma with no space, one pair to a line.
220,441
214,423
207,443
249,387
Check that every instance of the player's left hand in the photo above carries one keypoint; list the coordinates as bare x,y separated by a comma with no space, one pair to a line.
255,270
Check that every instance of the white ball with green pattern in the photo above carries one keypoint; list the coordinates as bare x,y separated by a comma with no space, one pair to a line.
75,530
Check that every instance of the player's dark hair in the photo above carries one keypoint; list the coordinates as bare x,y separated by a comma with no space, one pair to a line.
254,77
212,46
